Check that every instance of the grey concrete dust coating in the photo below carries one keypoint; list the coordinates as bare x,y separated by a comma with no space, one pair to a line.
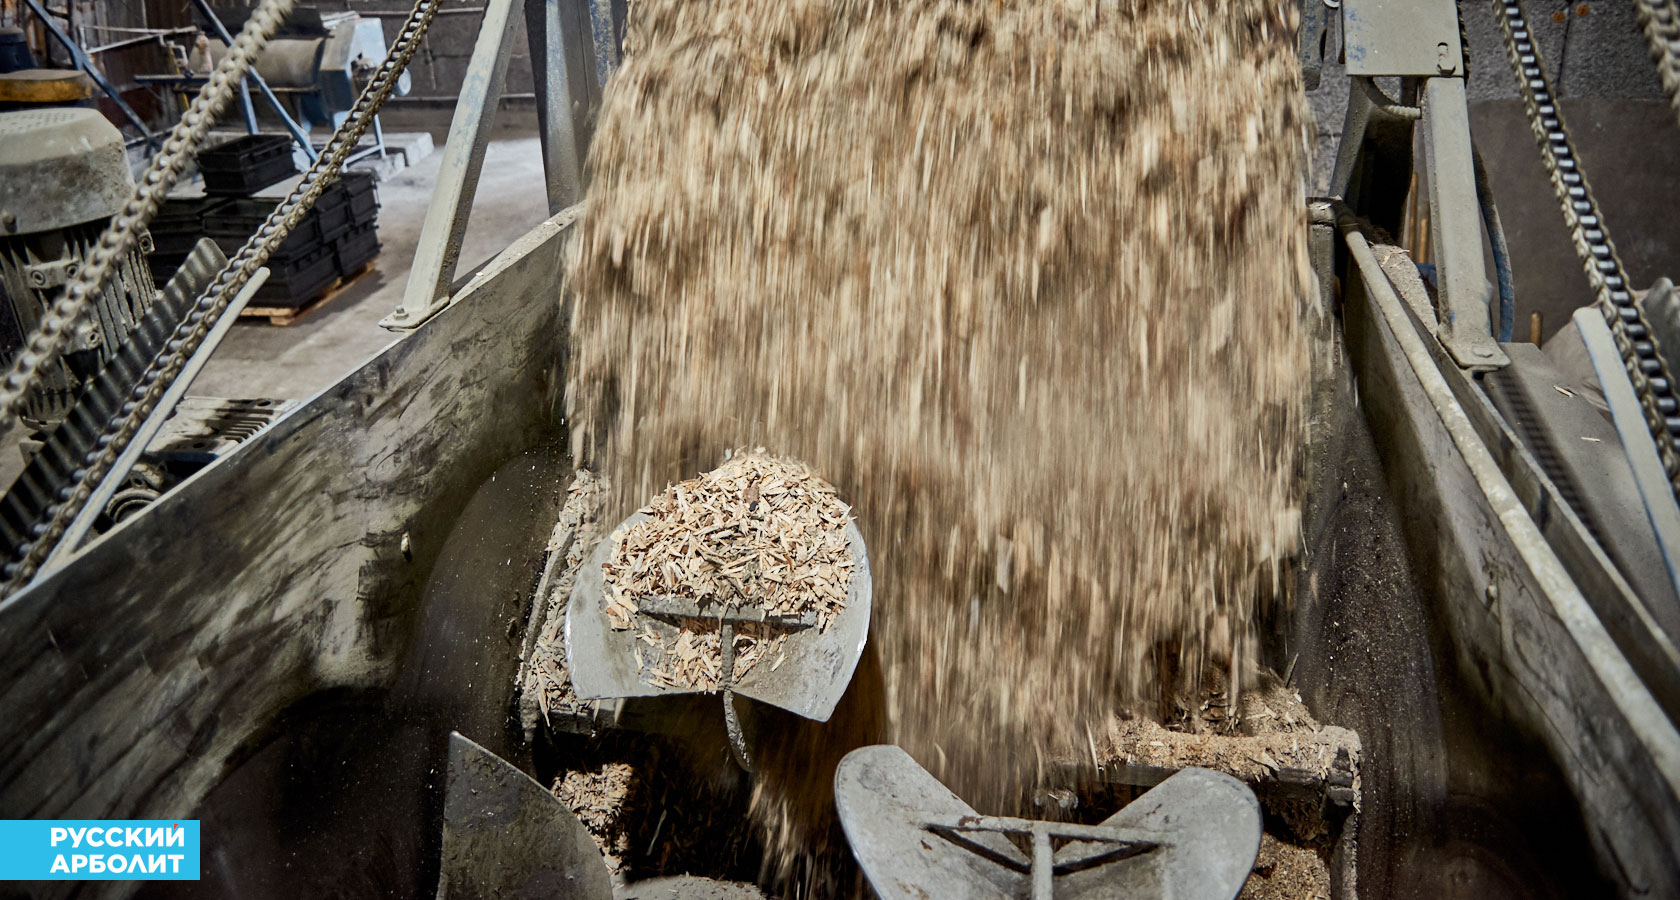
260,360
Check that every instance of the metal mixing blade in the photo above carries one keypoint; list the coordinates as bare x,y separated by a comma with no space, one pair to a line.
1194,836
506,836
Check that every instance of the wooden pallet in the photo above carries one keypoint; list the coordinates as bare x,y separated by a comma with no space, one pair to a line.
289,315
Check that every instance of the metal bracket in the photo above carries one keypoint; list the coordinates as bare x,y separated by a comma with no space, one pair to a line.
439,250
1376,133
1416,38
51,274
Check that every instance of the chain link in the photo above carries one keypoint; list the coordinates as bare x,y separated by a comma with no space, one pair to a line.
189,334
121,235
1646,368
1661,20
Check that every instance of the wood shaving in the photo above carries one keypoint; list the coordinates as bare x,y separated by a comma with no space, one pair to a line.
653,809
600,797
757,533
1267,740
1024,279
1270,730
546,693
1286,871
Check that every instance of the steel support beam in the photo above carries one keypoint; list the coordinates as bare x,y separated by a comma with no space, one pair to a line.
568,92
439,250
1466,326
245,90
1414,38
606,26
1374,164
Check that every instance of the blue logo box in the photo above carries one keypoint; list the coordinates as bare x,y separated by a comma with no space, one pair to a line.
99,850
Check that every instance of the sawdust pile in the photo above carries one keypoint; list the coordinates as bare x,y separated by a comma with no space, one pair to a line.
546,694
1285,871
1263,736
758,534
1022,279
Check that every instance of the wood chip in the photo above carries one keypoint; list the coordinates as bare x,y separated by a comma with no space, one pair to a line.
758,532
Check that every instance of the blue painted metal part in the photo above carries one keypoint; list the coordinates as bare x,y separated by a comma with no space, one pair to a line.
273,101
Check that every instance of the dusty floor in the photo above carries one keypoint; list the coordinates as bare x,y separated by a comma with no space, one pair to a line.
261,360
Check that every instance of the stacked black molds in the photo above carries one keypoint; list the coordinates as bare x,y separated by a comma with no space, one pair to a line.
353,202
337,237
175,230
245,165
298,270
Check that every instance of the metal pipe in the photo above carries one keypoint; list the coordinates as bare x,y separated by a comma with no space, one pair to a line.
246,107
1381,102
452,99
403,13
1501,250
150,37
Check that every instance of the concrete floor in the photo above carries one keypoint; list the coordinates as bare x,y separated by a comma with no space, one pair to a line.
297,361
261,360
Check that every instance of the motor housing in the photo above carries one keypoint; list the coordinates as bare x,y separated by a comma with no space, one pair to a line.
63,174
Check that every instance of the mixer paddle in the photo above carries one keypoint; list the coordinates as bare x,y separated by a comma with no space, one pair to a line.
1194,836
815,665
505,835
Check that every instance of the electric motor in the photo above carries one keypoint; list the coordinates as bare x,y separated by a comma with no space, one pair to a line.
63,175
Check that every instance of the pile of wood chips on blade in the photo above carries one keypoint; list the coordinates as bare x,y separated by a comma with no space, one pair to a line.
758,533
1024,279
